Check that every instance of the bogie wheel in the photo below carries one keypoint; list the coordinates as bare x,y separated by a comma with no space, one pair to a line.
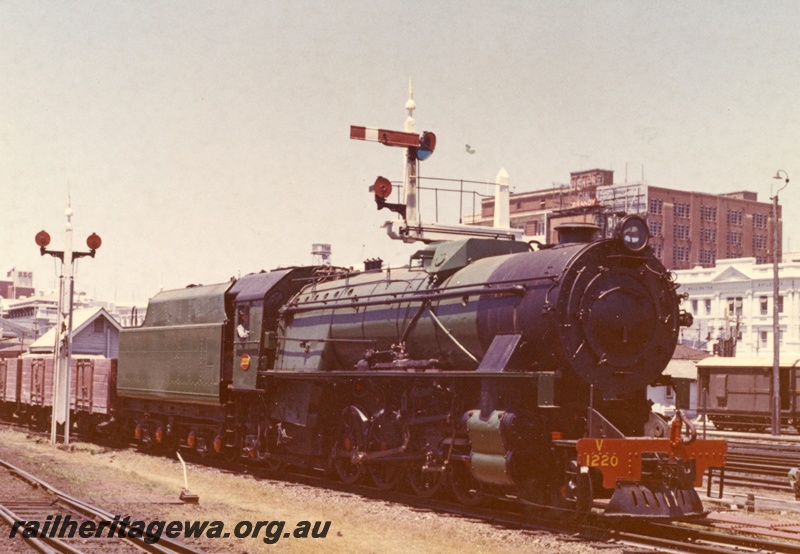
579,490
424,481
542,501
349,439
467,489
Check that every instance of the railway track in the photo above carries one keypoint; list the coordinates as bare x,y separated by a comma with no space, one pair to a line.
712,535
761,463
34,500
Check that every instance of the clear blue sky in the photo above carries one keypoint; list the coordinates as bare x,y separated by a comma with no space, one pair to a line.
203,138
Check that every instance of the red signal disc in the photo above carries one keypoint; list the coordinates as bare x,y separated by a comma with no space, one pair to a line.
382,187
93,241
42,238
244,362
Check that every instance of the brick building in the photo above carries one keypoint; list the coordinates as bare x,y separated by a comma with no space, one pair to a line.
688,228
20,285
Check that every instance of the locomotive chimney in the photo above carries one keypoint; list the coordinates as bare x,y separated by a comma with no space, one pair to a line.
576,232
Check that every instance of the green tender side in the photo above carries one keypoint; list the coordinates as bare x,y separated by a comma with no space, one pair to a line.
177,354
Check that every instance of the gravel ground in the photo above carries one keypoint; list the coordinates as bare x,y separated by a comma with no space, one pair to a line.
147,488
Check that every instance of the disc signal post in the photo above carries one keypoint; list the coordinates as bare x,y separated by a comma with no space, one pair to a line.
63,345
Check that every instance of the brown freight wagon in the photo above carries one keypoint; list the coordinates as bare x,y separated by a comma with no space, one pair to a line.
9,385
736,393
92,389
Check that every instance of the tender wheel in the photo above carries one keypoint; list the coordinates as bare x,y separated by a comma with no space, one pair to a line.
467,489
349,438
231,454
275,465
385,433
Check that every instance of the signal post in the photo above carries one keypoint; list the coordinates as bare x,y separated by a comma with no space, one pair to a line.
63,346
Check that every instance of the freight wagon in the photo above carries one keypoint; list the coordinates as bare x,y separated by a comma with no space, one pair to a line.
736,393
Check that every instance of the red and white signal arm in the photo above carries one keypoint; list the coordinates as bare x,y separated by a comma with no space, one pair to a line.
244,362
384,136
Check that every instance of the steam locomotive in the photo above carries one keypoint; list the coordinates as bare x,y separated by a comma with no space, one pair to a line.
484,366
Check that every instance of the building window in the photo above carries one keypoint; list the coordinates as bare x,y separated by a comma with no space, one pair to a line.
656,228
734,238
759,242
657,250
707,256
681,209
708,213
764,305
760,221
99,325
763,335
780,304
694,307
680,254
707,234
680,231
734,305
708,306
735,217
534,228
656,206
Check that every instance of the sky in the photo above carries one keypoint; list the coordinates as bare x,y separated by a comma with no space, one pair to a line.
203,139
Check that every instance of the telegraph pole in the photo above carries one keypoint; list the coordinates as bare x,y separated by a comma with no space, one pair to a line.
776,329
63,346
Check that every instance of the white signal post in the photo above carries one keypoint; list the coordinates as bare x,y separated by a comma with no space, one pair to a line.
63,346
410,176
502,201
63,350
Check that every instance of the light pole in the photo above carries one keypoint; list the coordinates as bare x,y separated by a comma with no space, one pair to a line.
776,358
63,346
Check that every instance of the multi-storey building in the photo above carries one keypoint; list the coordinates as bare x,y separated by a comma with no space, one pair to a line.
688,228
732,304
20,285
